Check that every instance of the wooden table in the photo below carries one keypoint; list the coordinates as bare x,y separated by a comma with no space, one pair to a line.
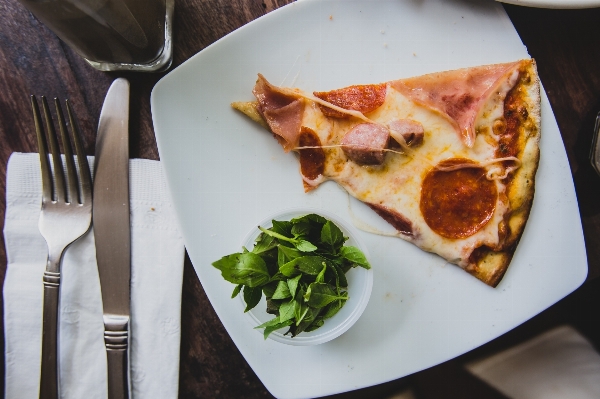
565,43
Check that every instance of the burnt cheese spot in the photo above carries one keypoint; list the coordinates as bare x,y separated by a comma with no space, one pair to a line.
515,114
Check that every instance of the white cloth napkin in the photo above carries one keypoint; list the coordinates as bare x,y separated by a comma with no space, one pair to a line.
156,275
557,364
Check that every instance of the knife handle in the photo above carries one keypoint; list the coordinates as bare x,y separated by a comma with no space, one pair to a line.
49,373
116,335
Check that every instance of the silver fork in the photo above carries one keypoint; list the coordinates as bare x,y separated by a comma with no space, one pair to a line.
66,215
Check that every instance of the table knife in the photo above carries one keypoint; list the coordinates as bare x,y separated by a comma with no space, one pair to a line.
110,220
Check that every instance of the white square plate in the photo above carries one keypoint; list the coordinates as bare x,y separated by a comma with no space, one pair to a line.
226,174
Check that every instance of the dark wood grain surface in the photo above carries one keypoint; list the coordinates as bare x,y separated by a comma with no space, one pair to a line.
565,43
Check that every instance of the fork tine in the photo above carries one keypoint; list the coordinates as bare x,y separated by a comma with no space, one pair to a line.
72,186
84,167
59,188
43,150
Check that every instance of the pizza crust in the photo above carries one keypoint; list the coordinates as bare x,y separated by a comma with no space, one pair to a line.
492,264
250,109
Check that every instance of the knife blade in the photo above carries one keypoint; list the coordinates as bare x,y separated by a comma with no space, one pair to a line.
110,220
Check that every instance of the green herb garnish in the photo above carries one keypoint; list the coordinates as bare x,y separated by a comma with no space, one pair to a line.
299,265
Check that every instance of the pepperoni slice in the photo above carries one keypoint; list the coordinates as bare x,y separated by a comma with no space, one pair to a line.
457,203
363,98
312,160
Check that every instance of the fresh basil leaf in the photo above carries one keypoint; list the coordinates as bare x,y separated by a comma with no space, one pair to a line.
310,316
275,234
355,256
282,227
247,279
270,258
320,295
298,310
333,258
319,321
293,285
321,276
273,306
305,246
333,272
335,306
310,264
300,307
250,270
312,217
236,290
271,322
282,291
251,262
286,254
272,325
243,268
227,262
278,277
332,236
347,266
289,269
306,264
270,329
264,243
286,311
269,288
342,276
300,244
301,229
301,313
313,231
252,297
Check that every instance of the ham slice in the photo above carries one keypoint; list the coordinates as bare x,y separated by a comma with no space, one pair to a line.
282,112
458,94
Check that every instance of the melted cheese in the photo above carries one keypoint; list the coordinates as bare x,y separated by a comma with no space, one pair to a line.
396,184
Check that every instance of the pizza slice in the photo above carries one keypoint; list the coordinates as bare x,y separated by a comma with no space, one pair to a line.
448,159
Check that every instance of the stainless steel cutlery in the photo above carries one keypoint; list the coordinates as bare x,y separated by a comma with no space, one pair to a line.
65,216
112,231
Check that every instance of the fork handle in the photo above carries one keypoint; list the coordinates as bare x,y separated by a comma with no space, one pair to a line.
49,374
